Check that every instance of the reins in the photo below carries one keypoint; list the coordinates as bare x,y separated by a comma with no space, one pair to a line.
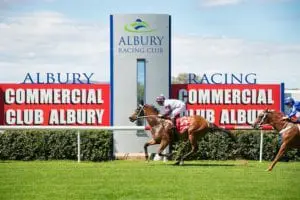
147,116
265,116
141,117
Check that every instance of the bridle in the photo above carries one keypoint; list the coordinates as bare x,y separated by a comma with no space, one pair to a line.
140,111
263,118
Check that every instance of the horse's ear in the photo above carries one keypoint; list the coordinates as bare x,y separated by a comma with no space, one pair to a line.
142,102
270,110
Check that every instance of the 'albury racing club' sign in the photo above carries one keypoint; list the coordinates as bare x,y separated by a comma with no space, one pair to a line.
140,37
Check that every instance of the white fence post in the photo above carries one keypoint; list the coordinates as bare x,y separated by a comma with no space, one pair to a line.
261,145
78,146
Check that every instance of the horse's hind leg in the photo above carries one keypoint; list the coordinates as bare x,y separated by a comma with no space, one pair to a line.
281,151
193,141
181,152
163,144
149,143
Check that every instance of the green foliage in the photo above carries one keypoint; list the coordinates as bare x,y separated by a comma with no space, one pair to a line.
140,92
183,78
219,146
48,145
98,146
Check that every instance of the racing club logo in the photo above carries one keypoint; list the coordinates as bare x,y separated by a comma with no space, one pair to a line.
139,26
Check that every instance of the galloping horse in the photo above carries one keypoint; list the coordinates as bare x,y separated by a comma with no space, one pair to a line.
161,129
289,131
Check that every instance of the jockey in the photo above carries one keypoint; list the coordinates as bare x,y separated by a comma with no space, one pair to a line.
294,114
173,107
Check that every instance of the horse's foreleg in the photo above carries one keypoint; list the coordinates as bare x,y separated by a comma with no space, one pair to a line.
281,151
149,143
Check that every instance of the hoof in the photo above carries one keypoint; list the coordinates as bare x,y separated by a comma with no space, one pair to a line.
181,163
176,163
269,169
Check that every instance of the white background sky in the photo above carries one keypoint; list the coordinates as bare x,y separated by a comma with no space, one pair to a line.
227,36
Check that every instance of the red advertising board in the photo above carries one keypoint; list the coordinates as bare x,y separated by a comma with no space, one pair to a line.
228,104
55,104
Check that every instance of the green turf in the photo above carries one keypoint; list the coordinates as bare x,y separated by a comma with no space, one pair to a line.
155,180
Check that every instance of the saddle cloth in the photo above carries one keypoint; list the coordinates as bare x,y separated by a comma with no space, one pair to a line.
182,124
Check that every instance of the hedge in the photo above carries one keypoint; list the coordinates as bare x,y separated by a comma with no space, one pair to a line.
98,146
58,145
218,146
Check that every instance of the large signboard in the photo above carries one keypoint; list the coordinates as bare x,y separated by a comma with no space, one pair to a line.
228,104
134,38
55,104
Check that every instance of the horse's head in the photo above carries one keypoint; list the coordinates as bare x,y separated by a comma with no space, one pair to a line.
143,110
139,112
262,118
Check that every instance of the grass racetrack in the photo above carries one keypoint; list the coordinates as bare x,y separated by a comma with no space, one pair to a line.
155,180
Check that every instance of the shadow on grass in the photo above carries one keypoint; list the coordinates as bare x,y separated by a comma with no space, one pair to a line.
205,165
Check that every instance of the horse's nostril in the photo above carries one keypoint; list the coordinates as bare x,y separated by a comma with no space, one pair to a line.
255,126
131,119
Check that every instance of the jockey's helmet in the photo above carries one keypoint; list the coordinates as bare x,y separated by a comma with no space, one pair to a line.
160,99
289,101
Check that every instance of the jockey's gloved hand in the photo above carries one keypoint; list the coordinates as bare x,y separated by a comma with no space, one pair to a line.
160,115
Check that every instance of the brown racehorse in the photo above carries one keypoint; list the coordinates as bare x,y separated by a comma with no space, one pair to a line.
161,130
289,131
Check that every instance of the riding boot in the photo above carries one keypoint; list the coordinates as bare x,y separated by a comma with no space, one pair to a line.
174,131
174,121
174,139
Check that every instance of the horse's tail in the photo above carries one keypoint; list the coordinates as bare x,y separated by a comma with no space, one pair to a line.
213,127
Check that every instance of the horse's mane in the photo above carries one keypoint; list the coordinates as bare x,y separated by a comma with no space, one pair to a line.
153,107
276,119
277,113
